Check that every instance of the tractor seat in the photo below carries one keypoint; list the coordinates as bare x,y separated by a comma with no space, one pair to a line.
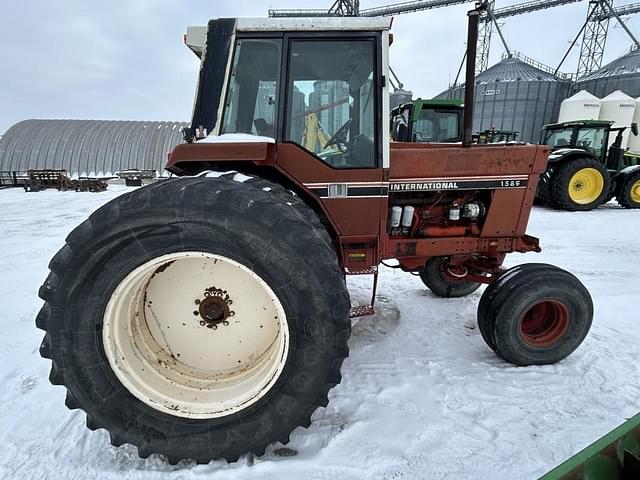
362,152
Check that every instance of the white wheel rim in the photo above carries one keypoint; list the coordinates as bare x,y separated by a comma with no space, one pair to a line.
209,365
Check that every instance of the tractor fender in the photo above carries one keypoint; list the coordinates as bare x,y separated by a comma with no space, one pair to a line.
250,155
563,154
619,178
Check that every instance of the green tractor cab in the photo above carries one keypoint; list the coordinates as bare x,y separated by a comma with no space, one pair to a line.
584,170
427,121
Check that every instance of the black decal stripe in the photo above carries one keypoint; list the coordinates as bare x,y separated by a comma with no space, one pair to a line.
320,192
366,191
457,185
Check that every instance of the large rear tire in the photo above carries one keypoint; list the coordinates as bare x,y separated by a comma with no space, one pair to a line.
433,277
191,318
629,195
543,191
535,314
580,184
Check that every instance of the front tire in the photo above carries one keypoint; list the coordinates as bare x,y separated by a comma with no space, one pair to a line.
580,184
139,324
535,314
433,277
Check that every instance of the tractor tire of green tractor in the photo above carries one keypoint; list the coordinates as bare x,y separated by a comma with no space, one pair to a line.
629,194
535,315
433,277
543,192
191,318
580,184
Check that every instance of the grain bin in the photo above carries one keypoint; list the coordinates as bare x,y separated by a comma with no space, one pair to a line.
634,141
581,106
398,97
621,74
619,108
515,95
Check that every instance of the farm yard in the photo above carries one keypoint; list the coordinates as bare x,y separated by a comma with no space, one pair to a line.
422,396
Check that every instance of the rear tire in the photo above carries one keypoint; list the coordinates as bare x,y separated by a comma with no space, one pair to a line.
580,184
432,276
535,314
629,195
271,242
543,192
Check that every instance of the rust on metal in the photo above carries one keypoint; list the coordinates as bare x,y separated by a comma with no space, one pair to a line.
214,309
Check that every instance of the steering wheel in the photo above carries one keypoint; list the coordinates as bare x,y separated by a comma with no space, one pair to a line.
340,137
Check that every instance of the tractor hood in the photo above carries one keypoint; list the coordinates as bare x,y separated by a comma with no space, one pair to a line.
563,152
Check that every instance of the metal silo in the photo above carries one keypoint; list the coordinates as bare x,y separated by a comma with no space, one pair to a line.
518,94
399,96
621,74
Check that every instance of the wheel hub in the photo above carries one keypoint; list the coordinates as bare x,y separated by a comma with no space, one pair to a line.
635,192
214,309
585,186
544,323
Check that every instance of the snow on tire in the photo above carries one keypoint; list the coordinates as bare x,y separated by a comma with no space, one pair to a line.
191,318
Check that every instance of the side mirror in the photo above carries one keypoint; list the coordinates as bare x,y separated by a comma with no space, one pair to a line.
187,135
634,128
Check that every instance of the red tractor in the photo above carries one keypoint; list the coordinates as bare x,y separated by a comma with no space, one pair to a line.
207,316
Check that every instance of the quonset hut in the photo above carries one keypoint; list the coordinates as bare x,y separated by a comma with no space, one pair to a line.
621,74
515,95
88,147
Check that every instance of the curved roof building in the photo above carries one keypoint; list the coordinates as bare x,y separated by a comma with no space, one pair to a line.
621,74
88,147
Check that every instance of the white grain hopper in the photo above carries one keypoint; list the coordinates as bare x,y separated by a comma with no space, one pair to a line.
634,142
581,106
619,108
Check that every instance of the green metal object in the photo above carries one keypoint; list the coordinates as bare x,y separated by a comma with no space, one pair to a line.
616,456
496,136
427,121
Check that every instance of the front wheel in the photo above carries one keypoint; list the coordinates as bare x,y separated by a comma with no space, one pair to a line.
535,315
192,318
433,276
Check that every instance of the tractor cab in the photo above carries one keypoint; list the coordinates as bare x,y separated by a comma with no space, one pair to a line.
427,121
318,85
589,135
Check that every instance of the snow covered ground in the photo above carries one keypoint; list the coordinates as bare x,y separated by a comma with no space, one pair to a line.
422,396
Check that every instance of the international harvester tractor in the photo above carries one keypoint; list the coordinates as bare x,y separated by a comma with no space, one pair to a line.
207,316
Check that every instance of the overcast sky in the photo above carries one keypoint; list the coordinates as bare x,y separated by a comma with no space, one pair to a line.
124,59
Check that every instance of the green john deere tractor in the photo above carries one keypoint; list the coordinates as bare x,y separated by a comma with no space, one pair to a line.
584,171
427,121
438,121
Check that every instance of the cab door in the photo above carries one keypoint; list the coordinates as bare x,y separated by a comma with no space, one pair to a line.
332,129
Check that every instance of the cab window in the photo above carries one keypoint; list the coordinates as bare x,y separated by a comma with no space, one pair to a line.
251,104
331,105
437,125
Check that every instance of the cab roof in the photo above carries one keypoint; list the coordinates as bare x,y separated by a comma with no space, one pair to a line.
196,36
580,123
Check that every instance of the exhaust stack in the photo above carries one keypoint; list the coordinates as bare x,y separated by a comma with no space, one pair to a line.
469,84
